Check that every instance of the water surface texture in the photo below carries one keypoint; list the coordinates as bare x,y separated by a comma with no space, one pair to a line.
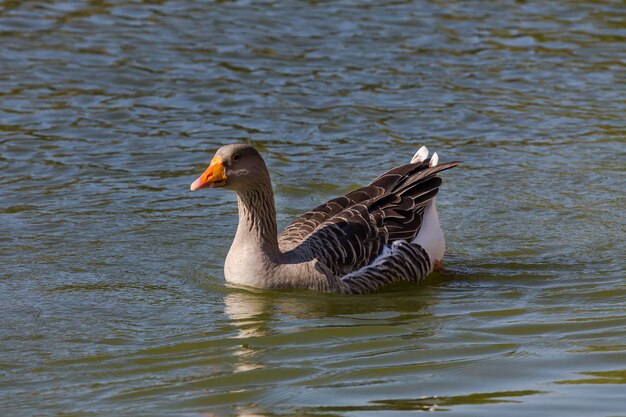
112,298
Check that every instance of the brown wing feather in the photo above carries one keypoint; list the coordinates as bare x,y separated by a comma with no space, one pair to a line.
348,232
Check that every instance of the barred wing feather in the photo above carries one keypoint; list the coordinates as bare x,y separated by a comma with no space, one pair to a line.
349,232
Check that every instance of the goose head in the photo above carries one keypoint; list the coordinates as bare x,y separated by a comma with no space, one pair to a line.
236,166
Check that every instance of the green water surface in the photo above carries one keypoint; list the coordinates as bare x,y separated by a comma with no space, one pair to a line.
112,298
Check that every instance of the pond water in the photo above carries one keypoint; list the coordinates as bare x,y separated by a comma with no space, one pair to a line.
112,297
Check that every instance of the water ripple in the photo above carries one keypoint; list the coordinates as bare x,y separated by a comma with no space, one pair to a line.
112,289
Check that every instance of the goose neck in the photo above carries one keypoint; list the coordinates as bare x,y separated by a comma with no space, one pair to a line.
257,218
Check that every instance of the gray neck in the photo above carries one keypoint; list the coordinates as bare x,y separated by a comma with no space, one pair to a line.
254,258
257,219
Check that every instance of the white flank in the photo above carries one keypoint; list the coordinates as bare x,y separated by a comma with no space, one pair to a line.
430,236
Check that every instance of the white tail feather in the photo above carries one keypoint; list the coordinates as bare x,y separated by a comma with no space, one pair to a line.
434,160
420,155
430,236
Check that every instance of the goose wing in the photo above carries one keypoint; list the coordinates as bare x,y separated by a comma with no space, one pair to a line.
348,232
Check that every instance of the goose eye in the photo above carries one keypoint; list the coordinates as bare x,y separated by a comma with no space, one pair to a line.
237,157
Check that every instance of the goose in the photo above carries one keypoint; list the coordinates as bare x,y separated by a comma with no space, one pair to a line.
385,232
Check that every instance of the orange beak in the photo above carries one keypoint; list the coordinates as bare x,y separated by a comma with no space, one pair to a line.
214,176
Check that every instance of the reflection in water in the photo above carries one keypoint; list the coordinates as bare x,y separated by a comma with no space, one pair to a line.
239,412
248,313
296,327
254,310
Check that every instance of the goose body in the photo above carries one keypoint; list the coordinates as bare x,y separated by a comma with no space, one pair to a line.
385,232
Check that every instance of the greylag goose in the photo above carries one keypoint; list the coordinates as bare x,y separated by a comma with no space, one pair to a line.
376,235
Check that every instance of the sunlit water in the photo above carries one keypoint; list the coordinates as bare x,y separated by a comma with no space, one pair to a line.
112,299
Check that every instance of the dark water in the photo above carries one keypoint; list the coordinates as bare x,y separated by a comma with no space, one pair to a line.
111,289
